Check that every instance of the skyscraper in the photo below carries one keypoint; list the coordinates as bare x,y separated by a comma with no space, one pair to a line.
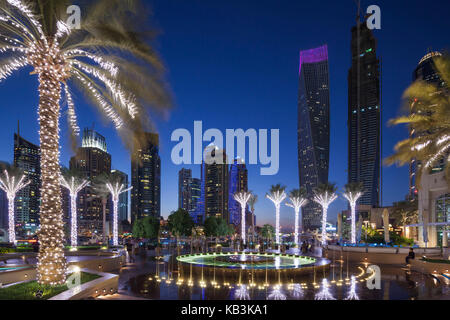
364,114
184,189
238,182
27,158
146,179
425,71
213,200
313,128
92,160
123,197
195,186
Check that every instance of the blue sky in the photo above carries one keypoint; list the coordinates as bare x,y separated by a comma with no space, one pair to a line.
234,64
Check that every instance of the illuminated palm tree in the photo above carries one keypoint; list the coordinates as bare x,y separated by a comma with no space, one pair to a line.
353,191
428,105
242,197
74,183
116,187
107,58
12,182
277,195
252,202
298,200
324,195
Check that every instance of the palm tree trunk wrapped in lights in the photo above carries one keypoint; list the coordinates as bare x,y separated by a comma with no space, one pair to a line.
74,187
353,191
12,183
298,200
324,195
116,190
108,58
277,196
243,197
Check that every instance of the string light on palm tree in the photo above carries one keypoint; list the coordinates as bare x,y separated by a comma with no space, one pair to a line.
74,186
107,59
277,196
116,190
353,191
297,198
11,184
324,195
242,197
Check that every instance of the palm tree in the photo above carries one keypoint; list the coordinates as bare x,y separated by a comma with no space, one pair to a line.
72,181
116,187
252,202
108,58
324,195
242,197
277,195
298,200
428,105
353,191
12,181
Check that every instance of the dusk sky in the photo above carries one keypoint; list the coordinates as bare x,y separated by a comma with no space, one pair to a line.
234,64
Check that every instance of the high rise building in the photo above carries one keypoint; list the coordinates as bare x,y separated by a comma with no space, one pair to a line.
146,179
195,189
313,128
184,189
364,115
238,182
213,200
27,158
425,71
92,160
123,197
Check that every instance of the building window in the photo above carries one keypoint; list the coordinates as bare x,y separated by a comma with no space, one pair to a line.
442,214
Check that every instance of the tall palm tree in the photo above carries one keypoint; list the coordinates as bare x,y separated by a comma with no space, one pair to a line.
252,202
277,195
242,197
297,198
74,182
428,105
353,191
324,195
108,59
12,181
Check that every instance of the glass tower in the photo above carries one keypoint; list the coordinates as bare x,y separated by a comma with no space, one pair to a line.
313,128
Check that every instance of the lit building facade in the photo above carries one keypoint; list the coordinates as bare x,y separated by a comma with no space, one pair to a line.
146,179
91,160
27,202
364,114
184,189
313,128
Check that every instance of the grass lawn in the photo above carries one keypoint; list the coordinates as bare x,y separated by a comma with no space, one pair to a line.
436,260
28,290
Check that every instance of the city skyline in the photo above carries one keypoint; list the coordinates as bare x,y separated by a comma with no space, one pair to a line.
339,62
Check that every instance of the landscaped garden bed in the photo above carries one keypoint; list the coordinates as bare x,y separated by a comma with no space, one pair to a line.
34,291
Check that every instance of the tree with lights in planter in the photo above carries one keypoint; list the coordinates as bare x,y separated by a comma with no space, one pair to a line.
107,58
277,195
72,181
324,195
353,191
12,181
243,197
297,198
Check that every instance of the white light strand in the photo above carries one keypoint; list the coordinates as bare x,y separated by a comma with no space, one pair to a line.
14,64
297,203
242,198
277,198
74,188
324,199
353,197
71,112
115,191
11,187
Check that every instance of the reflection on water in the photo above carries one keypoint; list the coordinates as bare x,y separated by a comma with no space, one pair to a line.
340,282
